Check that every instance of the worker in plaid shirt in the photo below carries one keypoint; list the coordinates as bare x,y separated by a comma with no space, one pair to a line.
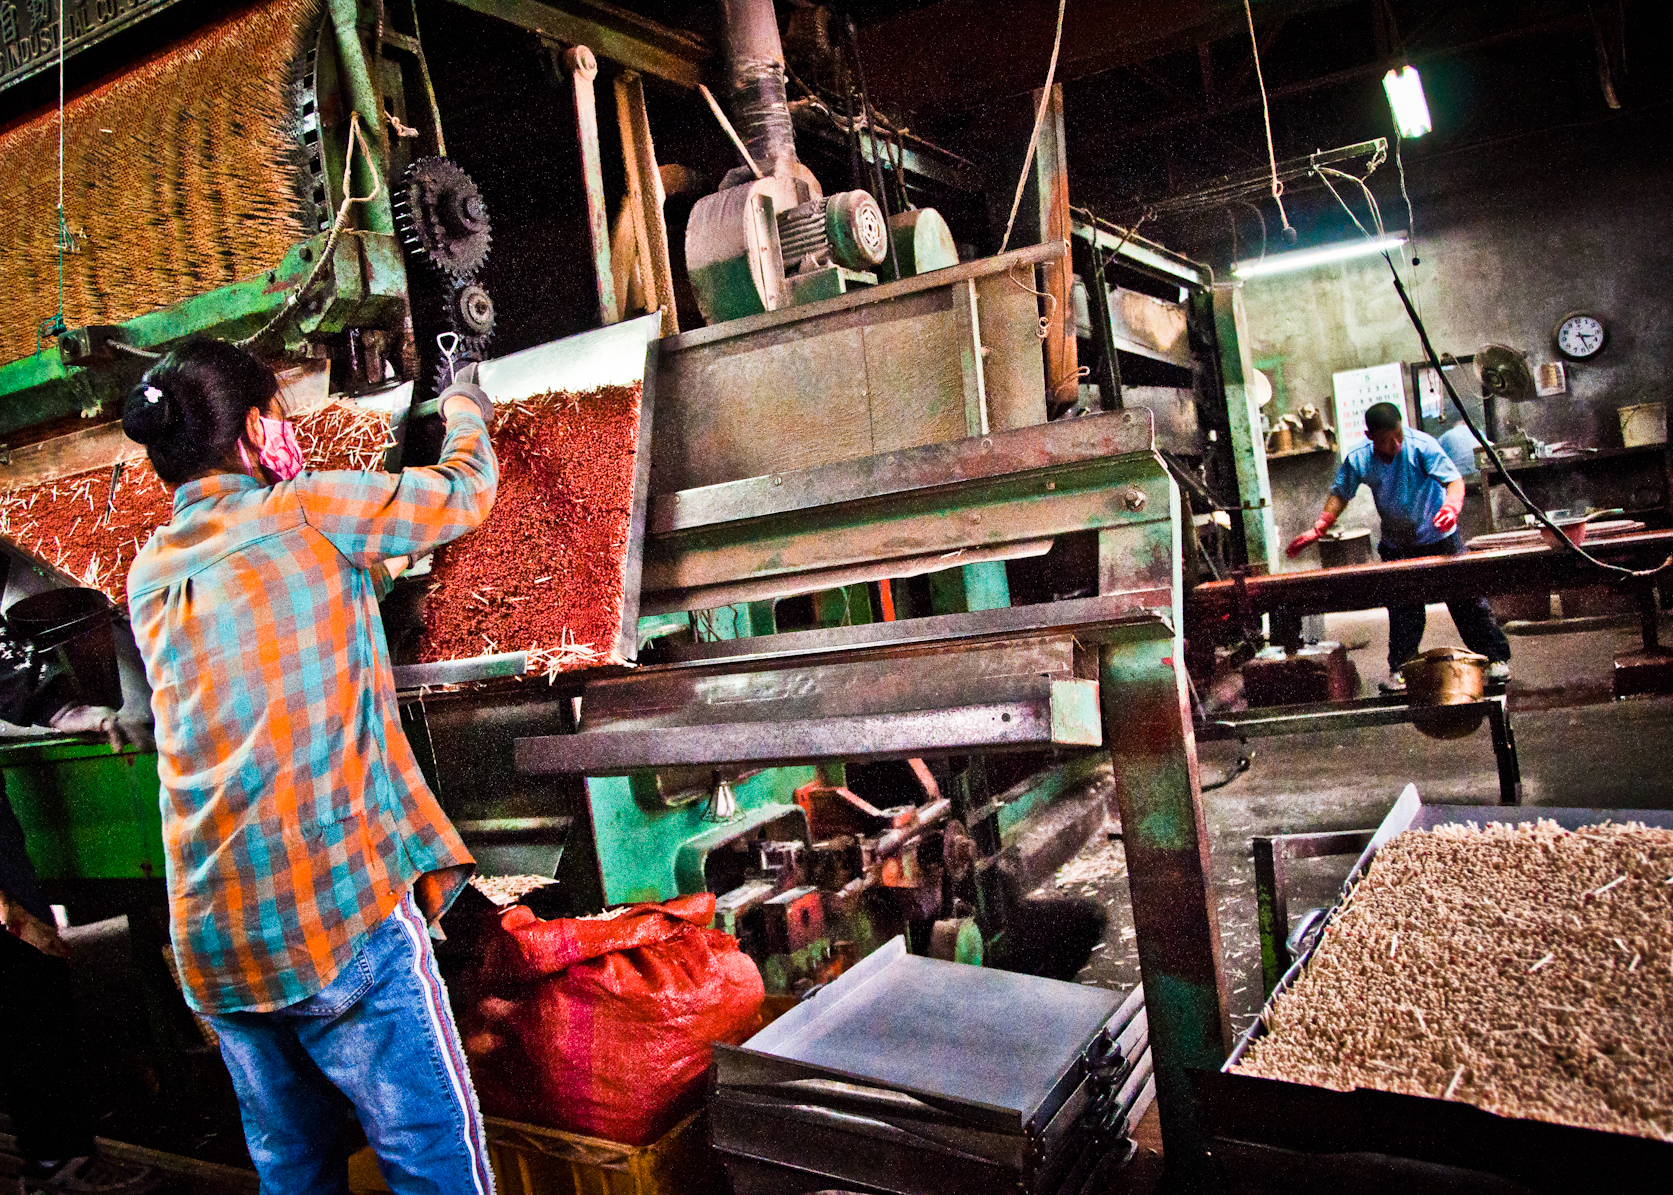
306,855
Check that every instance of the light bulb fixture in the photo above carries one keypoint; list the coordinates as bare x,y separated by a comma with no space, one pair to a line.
1285,263
1405,97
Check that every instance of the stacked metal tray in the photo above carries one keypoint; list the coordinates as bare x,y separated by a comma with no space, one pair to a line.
1269,1135
911,1075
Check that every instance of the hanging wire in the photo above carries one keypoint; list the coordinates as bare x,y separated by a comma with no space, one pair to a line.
1266,117
56,326
1411,220
1539,514
1039,123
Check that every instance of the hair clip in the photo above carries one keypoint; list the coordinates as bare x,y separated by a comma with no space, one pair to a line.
153,395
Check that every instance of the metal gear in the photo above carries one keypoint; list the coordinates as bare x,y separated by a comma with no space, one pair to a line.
470,311
441,215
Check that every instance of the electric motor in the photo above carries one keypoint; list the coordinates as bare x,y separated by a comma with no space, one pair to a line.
846,228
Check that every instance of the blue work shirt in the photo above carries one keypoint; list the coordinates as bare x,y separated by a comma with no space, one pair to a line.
1408,490
1460,446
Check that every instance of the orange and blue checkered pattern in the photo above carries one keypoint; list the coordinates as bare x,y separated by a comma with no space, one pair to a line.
294,814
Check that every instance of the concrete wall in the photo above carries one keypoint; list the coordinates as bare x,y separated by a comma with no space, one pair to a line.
1508,244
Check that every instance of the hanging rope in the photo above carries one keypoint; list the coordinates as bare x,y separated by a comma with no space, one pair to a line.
297,296
1039,123
56,326
1266,117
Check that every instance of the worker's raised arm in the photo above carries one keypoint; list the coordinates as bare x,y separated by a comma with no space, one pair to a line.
1333,508
371,516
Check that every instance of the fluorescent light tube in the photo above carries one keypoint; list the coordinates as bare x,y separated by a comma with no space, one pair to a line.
1405,97
1284,263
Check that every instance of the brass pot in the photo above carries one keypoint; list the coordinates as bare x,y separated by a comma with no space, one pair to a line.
1442,677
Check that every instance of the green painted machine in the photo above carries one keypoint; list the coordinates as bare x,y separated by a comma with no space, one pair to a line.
862,677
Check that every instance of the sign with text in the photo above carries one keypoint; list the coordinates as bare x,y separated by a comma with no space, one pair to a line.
29,30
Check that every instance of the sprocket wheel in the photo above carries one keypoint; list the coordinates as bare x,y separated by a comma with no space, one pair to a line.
441,214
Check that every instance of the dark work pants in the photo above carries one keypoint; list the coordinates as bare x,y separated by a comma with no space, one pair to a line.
1473,617
40,1064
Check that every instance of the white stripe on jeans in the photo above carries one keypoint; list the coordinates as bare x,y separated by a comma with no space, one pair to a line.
407,913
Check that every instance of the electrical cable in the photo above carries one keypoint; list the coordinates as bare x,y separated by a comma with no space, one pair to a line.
1411,220
1493,455
870,117
1266,117
1039,123
1245,757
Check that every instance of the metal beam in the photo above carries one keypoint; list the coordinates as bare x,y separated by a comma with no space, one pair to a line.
1057,720
1425,579
1147,729
1243,413
1045,481
612,33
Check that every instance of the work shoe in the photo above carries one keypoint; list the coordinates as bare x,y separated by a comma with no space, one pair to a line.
1498,671
1394,684
92,1175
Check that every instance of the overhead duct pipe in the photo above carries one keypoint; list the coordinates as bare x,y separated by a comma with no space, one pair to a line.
760,105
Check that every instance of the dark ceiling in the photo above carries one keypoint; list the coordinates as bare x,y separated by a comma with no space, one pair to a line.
1161,98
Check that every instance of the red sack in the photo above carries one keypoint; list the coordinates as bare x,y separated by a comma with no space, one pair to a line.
604,1027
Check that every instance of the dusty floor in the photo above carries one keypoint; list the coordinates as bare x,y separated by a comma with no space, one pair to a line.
1604,755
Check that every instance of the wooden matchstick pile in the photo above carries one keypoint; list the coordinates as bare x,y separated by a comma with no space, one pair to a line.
1525,969
181,176
74,525
545,573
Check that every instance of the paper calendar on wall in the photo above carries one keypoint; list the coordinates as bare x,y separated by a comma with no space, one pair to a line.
1359,389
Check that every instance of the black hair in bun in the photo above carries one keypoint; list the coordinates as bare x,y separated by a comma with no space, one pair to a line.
148,413
189,408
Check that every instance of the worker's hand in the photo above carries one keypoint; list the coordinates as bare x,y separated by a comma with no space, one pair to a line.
89,719
397,565
1446,519
455,405
26,927
1302,542
1306,539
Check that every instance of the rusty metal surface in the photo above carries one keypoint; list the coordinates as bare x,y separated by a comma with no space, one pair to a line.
1013,368
1147,730
870,371
1426,579
645,199
991,726
896,474
1003,694
1011,488
583,70
885,681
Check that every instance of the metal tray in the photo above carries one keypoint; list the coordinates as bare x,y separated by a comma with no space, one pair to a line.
991,1049
617,355
1250,1119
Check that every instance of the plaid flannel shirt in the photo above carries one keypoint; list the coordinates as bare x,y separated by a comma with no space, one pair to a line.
294,813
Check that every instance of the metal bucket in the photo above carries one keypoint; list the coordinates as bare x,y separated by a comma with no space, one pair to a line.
1442,677
1342,548
74,624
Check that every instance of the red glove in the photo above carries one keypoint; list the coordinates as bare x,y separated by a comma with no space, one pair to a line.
1301,542
1446,519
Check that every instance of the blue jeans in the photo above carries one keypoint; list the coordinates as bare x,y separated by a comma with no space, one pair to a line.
1471,615
380,1037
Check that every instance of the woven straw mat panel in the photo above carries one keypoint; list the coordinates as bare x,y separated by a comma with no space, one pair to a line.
180,176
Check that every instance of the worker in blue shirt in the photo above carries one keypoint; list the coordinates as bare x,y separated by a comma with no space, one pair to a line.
1419,492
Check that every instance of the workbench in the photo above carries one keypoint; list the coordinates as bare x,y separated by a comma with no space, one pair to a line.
1390,710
